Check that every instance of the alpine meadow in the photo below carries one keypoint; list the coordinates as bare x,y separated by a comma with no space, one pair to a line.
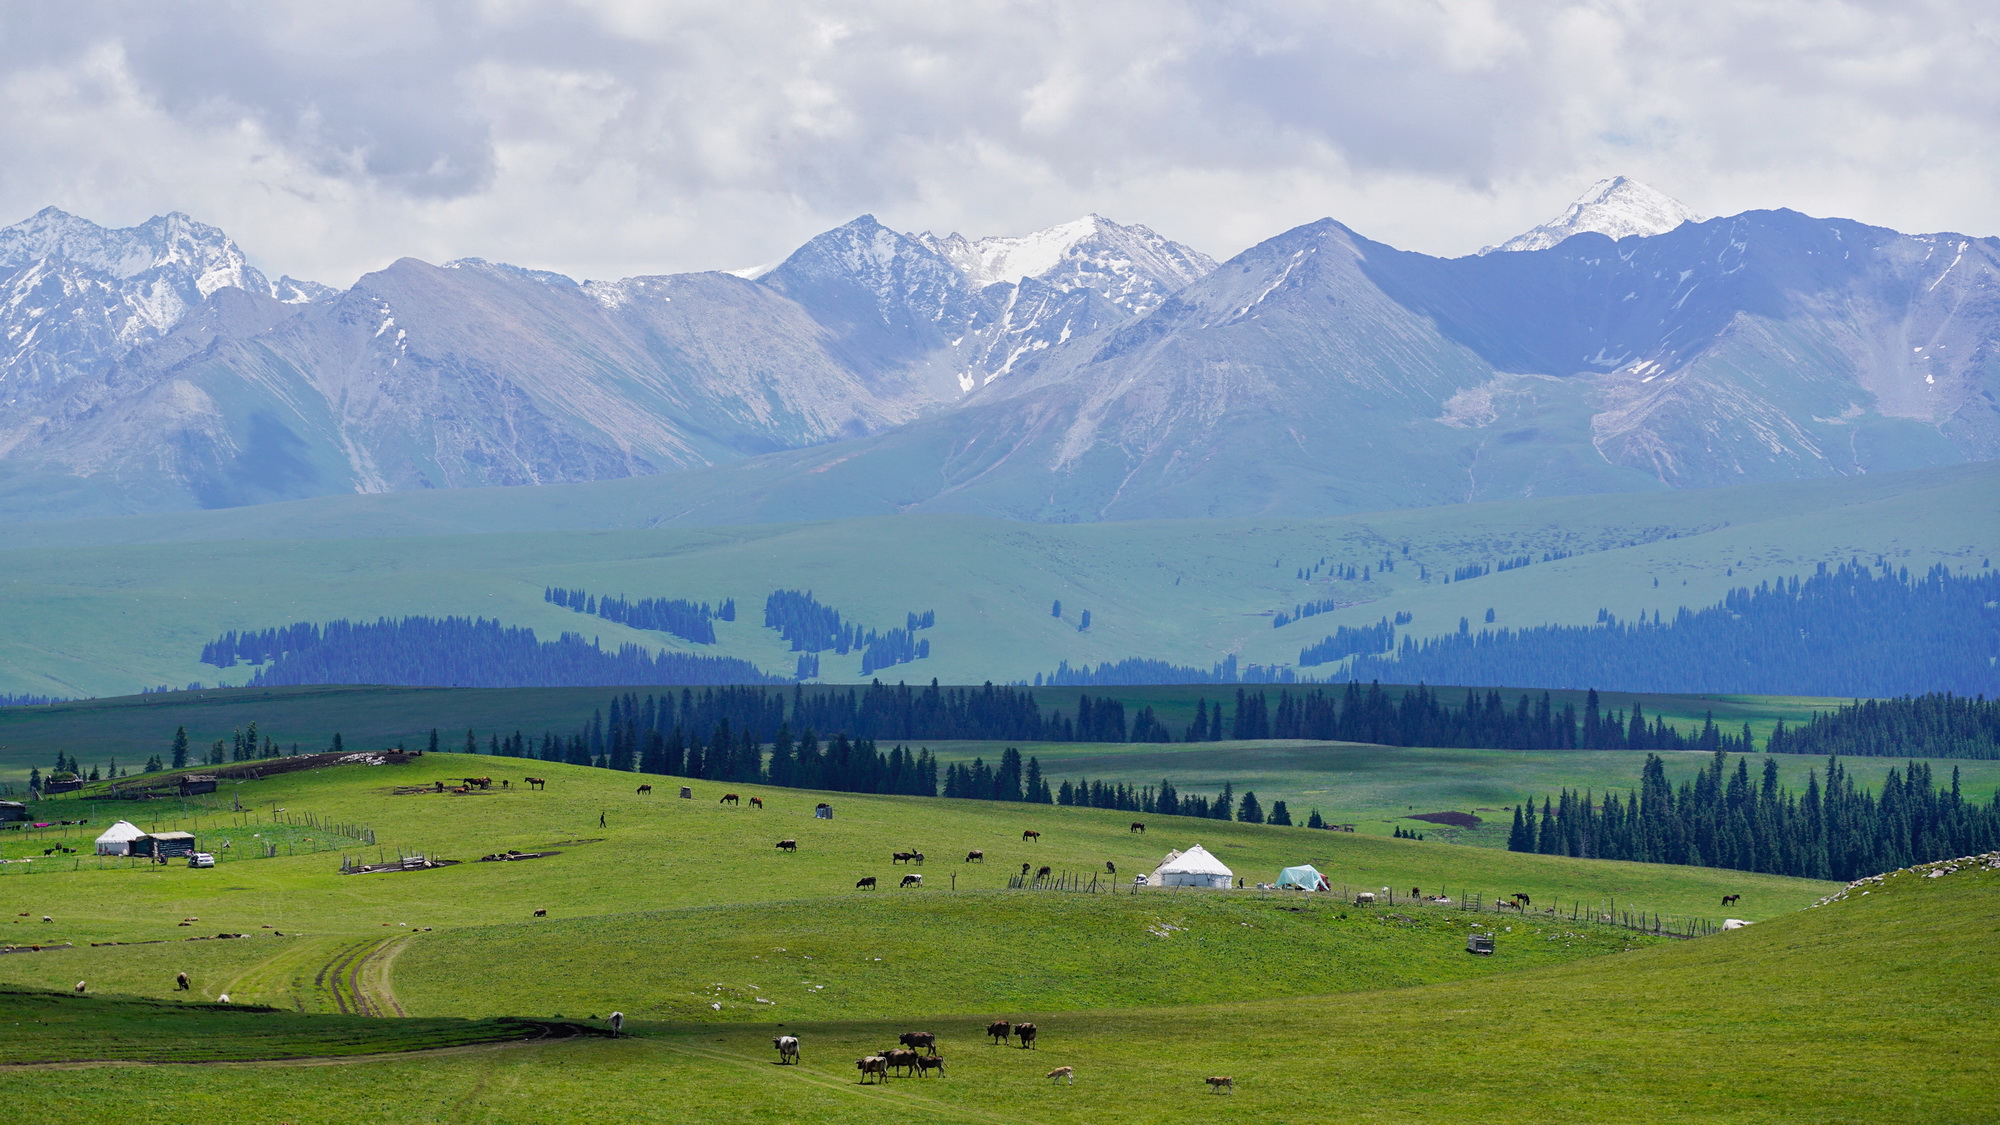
1463,659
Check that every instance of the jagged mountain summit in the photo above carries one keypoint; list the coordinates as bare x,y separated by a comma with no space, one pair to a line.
1131,266
1614,207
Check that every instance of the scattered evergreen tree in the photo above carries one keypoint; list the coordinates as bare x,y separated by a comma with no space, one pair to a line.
1280,814
1314,820
180,758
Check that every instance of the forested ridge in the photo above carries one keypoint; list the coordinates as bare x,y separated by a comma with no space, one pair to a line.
687,620
1724,818
1852,630
459,652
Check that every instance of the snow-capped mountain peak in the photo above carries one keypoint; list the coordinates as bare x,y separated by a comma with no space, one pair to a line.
1131,266
1616,207
173,244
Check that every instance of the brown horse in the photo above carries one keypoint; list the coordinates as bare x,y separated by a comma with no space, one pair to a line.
645,790
1730,900
1031,834
756,802
534,782
729,799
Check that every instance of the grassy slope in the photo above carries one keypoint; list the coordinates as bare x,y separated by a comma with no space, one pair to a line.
98,619
1872,1009
662,853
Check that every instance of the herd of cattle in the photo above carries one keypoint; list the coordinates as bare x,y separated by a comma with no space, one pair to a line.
916,1054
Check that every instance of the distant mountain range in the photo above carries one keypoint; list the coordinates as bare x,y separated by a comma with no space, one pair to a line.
1089,371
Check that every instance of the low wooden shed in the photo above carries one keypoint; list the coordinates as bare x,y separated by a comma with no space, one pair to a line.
164,845
193,783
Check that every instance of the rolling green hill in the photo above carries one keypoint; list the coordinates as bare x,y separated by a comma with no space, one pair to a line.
674,907
91,611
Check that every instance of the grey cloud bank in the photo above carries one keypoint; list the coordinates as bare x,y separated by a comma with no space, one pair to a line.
607,139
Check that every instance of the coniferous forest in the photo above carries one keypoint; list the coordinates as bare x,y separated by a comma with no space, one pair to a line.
684,619
1851,631
458,652
1725,818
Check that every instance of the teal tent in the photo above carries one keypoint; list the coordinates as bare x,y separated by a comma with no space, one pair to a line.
1305,878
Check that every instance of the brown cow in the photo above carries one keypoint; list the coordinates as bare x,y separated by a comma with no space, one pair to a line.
928,1063
1221,1082
919,1040
1137,826
975,855
756,802
645,790
788,845
901,857
729,799
1025,1032
901,1057
998,1031
875,1065
867,883
1031,834
534,782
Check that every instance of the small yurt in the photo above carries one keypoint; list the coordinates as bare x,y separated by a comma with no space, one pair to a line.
1304,877
117,839
1194,867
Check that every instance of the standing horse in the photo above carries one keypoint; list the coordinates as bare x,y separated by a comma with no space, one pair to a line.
645,790
1031,834
756,802
534,782
1137,826
729,799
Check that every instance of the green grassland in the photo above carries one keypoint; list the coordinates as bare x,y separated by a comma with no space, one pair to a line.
1873,1008
91,609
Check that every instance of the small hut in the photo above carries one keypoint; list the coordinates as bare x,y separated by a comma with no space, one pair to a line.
1194,867
194,783
164,845
11,811
117,839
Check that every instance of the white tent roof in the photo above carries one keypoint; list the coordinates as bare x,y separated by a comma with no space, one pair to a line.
123,832
1194,861
1305,875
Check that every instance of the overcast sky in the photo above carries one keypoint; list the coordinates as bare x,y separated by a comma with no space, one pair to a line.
611,138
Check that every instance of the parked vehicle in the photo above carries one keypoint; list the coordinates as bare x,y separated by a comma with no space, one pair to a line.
201,859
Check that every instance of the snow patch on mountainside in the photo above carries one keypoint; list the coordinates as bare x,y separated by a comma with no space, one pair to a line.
1131,266
1615,207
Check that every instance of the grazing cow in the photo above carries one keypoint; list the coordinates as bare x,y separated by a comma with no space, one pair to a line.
901,1057
730,799
1025,1032
541,912
919,1040
756,802
534,782
913,880
788,1048
1063,1074
917,858
901,857
866,884
181,982
975,856
875,1065
1220,1082
928,1063
1364,898
80,986
1041,873
1730,900
617,1024
1138,826
645,791
998,1031
1110,868
788,845
1031,834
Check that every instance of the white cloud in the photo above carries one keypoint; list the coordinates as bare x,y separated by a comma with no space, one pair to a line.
612,138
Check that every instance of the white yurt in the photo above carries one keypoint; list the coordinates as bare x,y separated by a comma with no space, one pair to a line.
1194,867
117,839
1304,877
